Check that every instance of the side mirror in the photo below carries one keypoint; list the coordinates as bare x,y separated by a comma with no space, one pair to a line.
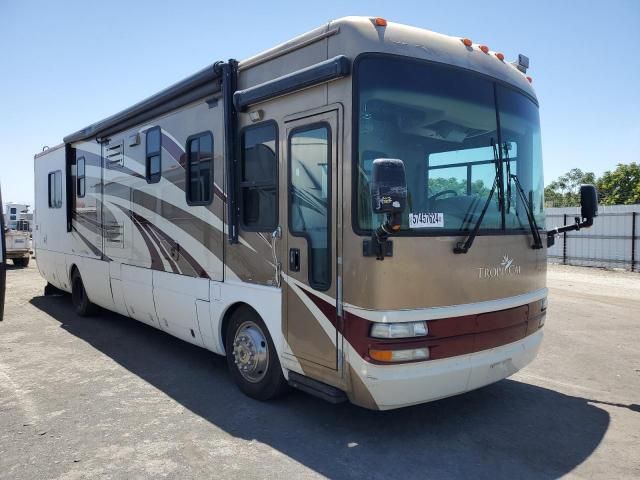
388,186
589,210
588,202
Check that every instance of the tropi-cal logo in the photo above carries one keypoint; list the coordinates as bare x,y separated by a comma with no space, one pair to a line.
506,268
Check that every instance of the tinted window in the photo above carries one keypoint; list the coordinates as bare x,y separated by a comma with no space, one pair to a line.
55,189
259,177
200,169
442,122
309,204
80,173
153,154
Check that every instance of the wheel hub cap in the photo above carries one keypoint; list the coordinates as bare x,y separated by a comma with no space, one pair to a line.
251,352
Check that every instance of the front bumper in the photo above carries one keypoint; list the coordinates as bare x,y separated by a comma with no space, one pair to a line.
395,386
18,253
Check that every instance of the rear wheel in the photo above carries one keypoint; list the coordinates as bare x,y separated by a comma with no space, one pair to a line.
79,298
21,262
252,358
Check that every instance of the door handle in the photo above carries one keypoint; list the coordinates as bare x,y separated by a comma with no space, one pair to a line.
294,259
276,235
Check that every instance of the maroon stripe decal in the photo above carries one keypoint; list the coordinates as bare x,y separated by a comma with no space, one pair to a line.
95,250
447,337
88,225
159,242
200,271
325,307
156,261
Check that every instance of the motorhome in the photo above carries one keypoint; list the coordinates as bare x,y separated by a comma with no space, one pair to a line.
357,212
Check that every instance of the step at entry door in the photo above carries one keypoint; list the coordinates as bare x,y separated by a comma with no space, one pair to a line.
309,264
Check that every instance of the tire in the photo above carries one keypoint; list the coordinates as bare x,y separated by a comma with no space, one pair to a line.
21,262
79,298
258,376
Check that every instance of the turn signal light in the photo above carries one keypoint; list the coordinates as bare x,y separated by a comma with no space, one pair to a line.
380,22
390,356
500,56
467,42
484,48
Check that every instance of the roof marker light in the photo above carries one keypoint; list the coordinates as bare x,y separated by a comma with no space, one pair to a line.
500,56
380,22
484,48
530,79
467,42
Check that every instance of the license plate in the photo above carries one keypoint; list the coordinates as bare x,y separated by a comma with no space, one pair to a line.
426,220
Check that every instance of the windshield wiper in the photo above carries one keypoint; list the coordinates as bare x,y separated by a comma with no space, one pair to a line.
463,247
537,241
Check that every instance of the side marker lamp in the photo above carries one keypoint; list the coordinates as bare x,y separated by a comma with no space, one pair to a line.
409,355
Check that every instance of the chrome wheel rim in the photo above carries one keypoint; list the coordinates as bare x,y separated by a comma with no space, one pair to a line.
251,352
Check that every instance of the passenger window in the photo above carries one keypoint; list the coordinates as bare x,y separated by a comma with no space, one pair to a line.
310,198
200,169
153,154
80,177
259,178
55,189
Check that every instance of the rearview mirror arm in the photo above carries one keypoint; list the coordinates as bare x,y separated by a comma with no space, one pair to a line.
551,234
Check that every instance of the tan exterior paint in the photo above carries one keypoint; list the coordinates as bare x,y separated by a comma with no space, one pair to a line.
423,271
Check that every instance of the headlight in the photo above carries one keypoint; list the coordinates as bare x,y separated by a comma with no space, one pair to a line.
399,330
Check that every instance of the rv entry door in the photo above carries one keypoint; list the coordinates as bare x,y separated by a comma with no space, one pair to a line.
309,265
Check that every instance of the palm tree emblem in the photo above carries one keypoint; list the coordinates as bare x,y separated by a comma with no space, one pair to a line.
506,262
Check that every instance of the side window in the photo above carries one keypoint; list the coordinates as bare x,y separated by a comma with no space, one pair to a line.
80,174
200,169
310,198
259,178
55,189
153,156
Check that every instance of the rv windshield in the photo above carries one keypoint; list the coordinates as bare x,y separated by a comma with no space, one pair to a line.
443,123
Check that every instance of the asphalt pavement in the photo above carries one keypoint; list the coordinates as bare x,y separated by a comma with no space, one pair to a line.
108,397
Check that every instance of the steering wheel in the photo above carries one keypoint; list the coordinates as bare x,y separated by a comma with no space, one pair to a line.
443,192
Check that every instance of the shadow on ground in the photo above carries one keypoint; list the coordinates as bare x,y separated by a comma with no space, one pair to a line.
510,429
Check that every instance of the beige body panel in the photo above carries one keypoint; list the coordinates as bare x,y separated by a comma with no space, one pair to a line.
127,221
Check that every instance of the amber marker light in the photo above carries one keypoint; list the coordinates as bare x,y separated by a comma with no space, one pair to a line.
409,355
484,48
380,22
467,42
500,56
381,355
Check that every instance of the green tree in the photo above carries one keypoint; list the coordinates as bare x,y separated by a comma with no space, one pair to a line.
621,186
565,191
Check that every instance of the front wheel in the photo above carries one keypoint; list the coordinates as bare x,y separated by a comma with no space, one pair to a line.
252,358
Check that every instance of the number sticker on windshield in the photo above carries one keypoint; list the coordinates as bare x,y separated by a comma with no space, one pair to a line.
426,220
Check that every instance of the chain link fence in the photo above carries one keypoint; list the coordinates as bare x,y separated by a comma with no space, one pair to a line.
613,241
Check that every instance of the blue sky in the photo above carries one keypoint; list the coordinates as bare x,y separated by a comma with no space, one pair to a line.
64,65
